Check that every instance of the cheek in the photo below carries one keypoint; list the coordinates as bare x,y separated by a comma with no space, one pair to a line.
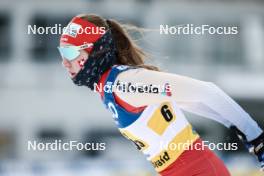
81,62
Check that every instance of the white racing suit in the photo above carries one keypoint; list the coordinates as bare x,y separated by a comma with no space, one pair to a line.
147,108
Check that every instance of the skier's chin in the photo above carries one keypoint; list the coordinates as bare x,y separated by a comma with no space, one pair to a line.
72,74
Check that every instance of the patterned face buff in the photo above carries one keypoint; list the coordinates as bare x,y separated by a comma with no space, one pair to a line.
102,58
102,53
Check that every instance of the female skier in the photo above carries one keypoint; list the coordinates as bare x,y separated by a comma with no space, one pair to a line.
147,104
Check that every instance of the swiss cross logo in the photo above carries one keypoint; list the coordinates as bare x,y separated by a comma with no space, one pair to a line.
81,62
122,67
72,29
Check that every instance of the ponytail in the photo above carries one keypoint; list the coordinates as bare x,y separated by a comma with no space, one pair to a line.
129,53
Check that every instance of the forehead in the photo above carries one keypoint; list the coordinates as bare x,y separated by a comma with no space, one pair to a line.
65,44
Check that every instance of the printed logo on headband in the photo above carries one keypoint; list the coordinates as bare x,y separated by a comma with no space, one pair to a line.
72,29
80,32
